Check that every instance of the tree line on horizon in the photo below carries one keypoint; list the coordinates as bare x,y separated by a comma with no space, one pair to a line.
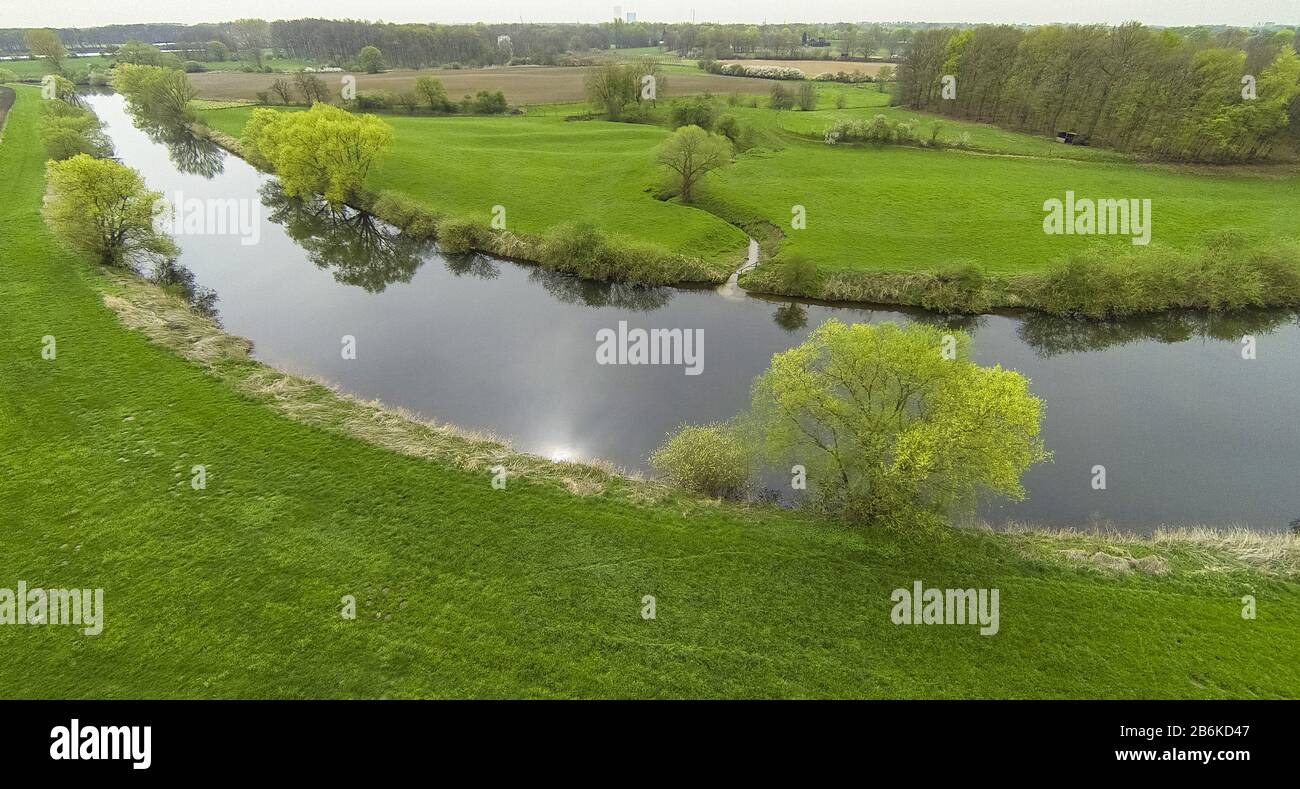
1230,95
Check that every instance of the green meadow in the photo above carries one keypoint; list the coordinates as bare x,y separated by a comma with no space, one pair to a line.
868,207
234,591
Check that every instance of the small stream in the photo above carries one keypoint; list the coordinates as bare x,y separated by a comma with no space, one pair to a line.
1189,432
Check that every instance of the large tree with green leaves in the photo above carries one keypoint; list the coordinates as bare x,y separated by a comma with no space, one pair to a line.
890,419
101,208
43,43
370,60
690,154
325,150
160,94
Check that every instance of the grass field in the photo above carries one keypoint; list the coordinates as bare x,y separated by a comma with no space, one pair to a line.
463,590
522,84
35,69
869,208
545,171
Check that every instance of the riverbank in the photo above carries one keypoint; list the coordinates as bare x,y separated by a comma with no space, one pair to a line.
912,239
464,590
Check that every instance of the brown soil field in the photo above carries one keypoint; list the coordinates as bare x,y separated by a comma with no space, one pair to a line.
521,84
812,68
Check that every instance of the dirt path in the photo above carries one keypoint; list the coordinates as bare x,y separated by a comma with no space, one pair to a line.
730,289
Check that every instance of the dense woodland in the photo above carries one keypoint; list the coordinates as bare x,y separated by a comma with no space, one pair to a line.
1166,93
1201,94
420,45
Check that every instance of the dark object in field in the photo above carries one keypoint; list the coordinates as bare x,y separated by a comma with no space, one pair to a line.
1071,138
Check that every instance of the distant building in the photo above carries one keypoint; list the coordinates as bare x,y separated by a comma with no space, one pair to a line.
631,17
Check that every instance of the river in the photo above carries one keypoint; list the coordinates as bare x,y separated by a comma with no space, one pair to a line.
1189,431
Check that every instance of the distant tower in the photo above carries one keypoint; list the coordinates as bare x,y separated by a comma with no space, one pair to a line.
631,17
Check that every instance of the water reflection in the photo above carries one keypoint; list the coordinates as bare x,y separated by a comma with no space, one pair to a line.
472,265
180,281
190,153
1051,335
568,289
1189,431
791,317
356,247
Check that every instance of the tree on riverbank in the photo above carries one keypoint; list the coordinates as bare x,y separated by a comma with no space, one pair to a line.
160,94
325,150
892,419
690,154
883,422
102,209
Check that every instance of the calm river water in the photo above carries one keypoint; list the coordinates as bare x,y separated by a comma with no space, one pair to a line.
1189,432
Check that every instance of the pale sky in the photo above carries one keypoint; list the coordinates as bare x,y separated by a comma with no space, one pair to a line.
85,13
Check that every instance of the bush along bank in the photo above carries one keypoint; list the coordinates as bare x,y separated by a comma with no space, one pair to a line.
1226,271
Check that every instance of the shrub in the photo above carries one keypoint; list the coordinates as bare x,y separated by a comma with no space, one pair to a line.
7,76
958,288
708,459
760,72
807,97
693,112
781,98
408,101
193,67
489,103
373,100
729,127
431,92
456,235
398,209
798,273
877,130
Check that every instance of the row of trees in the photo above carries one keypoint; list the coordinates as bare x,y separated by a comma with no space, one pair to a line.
1226,96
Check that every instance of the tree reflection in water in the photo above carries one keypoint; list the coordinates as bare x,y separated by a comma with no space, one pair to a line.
190,153
792,317
179,280
1052,335
357,247
569,289
471,264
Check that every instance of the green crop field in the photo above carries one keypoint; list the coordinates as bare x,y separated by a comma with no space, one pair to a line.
464,590
868,207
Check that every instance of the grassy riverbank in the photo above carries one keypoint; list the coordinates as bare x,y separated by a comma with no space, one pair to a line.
885,223
463,590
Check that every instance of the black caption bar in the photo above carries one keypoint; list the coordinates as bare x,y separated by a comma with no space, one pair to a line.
142,739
